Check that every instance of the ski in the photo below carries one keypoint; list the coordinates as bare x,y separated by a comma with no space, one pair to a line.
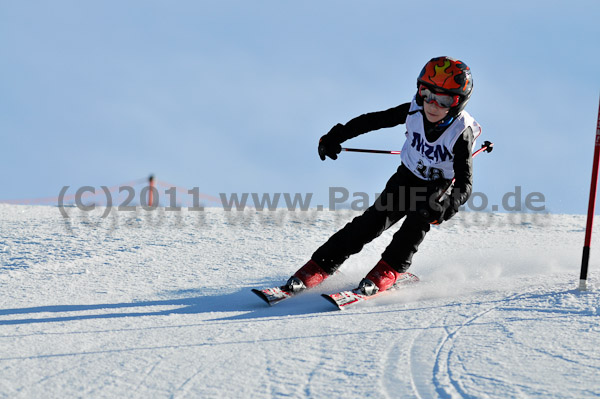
344,299
273,295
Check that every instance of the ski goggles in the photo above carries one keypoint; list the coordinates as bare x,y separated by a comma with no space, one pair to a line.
441,100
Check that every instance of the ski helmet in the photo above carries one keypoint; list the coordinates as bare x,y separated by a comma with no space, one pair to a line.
447,76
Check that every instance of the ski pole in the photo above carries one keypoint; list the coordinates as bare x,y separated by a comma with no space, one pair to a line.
487,147
371,151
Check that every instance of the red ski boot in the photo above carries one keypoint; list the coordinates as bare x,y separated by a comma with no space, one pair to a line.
308,276
380,278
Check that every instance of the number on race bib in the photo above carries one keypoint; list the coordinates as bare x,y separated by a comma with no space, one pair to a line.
429,173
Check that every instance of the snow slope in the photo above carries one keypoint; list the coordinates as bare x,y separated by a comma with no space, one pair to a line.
158,304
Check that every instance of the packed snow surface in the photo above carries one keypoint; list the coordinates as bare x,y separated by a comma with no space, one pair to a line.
158,304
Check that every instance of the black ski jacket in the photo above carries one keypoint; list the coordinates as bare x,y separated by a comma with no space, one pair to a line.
463,161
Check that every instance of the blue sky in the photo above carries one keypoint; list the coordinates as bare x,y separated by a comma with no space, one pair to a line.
232,96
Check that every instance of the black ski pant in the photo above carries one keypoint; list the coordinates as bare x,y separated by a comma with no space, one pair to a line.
403,197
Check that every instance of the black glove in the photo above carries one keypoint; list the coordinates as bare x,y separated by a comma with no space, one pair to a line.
433,213
438,212
330,144
451,209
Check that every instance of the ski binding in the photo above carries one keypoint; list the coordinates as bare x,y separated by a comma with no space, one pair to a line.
344,299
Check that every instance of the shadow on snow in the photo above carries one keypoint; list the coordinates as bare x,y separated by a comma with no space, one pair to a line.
243,302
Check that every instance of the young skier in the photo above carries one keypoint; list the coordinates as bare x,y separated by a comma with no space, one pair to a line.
439,139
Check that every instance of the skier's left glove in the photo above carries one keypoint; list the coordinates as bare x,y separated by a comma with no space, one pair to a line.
451,208
438,212
432,213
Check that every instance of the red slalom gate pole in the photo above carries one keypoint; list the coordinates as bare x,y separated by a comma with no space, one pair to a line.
590,216
150,191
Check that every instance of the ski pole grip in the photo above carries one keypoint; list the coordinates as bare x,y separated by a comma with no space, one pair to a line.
488,145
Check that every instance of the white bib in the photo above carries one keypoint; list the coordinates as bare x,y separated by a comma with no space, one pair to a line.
432,161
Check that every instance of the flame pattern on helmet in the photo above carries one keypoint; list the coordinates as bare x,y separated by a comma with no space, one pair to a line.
447,74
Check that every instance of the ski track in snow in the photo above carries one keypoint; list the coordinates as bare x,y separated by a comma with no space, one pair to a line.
135,305
447,383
